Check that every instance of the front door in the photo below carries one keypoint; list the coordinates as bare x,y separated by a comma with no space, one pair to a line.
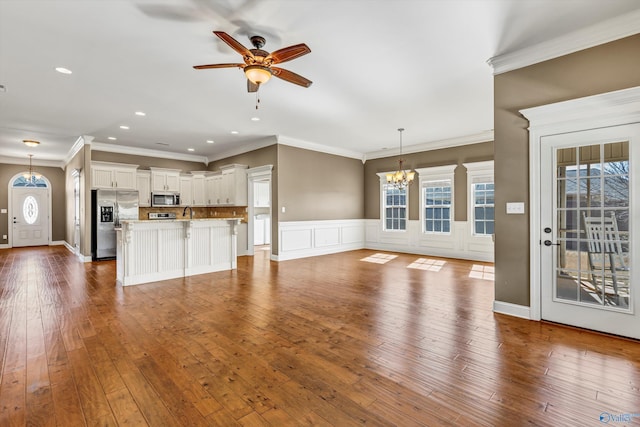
30,209
589,250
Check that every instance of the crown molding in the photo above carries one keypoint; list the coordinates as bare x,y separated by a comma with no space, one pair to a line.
35,162
120,149
299,143
245,148
485,136
76,147
606,31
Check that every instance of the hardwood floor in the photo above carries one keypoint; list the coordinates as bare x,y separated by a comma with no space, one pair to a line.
330,340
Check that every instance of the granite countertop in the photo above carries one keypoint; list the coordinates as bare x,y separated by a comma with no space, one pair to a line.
182,219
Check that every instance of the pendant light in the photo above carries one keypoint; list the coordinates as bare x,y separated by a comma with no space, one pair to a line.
400,178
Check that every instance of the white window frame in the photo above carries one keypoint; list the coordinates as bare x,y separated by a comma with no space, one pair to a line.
383,218
429,175
478,173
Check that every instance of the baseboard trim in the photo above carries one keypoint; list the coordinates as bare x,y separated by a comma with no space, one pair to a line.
71,249
436,252
509,309
57,243
5,246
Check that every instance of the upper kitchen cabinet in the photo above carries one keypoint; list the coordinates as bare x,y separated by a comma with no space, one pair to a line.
186,190
234,185
165,180
198,189
113,175
143,185
213,184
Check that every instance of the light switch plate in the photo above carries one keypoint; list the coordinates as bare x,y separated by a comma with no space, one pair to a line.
515,208
3,211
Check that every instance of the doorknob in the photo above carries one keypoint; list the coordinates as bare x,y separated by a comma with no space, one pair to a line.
549,243
547,230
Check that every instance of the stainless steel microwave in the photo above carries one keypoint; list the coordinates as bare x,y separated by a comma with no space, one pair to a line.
165,199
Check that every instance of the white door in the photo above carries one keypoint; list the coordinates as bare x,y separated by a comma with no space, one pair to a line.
30,208
589,238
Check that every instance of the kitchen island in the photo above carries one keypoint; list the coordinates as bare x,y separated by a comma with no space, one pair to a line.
149,251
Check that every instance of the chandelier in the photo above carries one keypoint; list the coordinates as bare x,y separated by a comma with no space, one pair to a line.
31,176
400,178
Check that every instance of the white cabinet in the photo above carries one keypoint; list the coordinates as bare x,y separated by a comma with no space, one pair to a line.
212,189
165,180
199,194
186,192
113,175
233,190
143,185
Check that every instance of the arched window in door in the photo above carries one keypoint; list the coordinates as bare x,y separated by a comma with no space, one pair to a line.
27,180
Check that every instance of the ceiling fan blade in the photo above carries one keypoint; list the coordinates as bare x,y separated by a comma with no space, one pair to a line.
204,67
289,53
290,76
235,44
251,86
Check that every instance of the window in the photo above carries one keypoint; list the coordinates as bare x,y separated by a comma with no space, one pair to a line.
481,213
436,200
36,181
394,208
437,206
483,208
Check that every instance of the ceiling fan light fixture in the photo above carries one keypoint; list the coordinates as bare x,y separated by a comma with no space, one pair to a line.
257,74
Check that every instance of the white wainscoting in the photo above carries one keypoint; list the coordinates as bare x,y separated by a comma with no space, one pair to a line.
460,243
300,239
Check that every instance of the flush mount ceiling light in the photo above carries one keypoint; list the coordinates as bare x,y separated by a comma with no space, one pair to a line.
63,70
400,178
31,142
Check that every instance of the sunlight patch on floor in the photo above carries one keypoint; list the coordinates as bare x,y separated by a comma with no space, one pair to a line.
484,272
427,264
379,258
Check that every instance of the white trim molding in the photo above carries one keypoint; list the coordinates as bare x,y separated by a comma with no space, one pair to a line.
120,149
301,239
608,109
299,143
603,32
509,309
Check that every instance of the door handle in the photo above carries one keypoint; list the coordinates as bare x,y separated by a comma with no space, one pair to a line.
550,243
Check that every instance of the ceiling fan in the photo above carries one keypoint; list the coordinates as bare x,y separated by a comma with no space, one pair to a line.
258,63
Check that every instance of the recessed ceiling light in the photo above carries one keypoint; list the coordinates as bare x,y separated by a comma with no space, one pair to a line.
124,127
255,119
234,132
191,149
140,113
63,70
31,142
113,138
210,141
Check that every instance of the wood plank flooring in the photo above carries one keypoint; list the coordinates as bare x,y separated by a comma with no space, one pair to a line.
324,341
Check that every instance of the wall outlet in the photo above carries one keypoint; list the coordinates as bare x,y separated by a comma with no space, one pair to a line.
284,209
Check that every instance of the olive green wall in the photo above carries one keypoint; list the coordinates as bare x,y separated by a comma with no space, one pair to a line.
604,68
318,186
56,179
446,156
145,162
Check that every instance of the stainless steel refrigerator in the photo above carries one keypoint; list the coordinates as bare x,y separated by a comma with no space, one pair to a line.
108,208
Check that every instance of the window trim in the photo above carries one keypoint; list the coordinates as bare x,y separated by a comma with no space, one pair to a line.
479,173
383,218
436,173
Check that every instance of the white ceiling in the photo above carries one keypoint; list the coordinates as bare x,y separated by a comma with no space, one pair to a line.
375,65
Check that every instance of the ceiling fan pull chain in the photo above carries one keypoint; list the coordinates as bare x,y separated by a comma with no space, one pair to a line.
257,99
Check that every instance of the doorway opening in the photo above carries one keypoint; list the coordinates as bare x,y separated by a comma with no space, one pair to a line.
259,210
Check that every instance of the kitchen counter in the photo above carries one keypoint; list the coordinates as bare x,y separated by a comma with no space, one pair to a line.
153,250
